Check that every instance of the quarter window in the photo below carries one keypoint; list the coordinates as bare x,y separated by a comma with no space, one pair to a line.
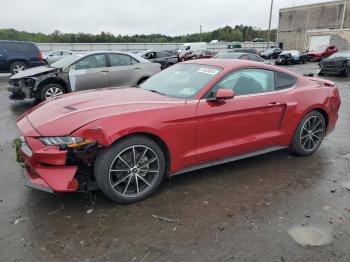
92,61
247,81
284,80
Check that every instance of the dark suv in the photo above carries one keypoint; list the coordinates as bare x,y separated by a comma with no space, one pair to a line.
16,56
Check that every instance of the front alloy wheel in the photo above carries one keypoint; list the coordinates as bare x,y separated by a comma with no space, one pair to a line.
51,91
309,134
134,171
130,170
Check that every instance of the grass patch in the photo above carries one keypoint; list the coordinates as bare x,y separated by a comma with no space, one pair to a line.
16,143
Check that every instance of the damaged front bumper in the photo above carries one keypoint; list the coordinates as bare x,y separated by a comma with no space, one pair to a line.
50,168
21,89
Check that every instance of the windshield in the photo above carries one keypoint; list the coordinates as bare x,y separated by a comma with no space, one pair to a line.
181,80
340,54
228,55
66,61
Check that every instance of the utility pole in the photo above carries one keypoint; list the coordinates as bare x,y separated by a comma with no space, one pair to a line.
344,12
200,33
268,32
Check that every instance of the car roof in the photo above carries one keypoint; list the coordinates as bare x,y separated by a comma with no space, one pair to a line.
136,56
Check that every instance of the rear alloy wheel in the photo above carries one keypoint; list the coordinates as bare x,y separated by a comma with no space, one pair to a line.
51,91
130,170
309,134
17,67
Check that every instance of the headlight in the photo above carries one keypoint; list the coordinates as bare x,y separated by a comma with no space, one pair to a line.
65,141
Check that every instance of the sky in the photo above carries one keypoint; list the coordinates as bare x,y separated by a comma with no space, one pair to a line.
128,17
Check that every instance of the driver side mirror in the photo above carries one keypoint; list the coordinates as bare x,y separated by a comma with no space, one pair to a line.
222,94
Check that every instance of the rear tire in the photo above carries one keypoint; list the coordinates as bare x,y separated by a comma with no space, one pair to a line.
17,67
121,170
309,134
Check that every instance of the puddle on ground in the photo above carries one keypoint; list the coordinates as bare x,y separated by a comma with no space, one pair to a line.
311,235
346,185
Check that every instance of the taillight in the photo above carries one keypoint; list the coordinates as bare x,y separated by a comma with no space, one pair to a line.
40,56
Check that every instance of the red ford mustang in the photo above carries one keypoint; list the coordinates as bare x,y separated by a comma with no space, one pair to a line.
193,115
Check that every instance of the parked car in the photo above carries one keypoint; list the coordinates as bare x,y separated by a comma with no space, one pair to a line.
163,58
192,51
81,72
336,64
322,52
193,115
291,57
244,50
16,56
54,56
259,40
200,54
243,56
271,53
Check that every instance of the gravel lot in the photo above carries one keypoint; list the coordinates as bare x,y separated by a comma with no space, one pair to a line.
241,211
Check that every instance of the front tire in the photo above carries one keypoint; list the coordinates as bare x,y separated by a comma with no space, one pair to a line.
51,91
130,170
309,134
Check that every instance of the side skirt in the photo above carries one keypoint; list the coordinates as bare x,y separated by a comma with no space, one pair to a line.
229,159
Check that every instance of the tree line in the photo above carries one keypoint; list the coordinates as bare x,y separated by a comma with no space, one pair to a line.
238,33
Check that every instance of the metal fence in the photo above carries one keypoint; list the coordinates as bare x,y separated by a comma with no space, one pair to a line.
133,47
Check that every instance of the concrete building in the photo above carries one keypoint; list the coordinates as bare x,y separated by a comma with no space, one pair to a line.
309,26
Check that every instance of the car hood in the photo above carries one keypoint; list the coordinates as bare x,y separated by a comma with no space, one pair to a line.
68,113
32,72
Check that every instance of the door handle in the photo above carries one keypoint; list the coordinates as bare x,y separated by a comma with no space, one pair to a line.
273,104
137,68
104,71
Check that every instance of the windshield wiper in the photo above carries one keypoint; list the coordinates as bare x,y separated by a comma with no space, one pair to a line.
157,92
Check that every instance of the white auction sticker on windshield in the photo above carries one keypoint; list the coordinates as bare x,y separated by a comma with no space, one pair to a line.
210,71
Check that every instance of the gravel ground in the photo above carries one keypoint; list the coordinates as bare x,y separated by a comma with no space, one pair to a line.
273,207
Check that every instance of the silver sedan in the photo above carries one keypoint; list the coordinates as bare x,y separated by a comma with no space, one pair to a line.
81,72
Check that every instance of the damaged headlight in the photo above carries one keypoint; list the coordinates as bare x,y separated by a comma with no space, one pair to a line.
65,141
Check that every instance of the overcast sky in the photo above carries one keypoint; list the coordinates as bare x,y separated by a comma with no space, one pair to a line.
170,17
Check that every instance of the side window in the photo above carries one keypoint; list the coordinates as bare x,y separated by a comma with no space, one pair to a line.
92,61
134,61
244,57
248,81
253,58
13,47
119,60
161,55
150,55
283,80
